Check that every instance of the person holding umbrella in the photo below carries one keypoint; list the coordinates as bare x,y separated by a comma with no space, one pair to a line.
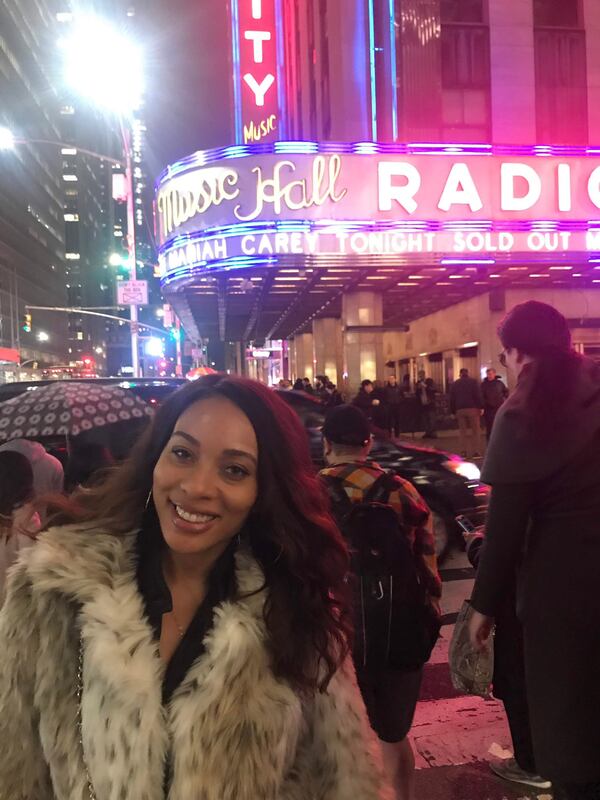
186,630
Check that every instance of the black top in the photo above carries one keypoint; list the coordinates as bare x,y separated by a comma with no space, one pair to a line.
157,601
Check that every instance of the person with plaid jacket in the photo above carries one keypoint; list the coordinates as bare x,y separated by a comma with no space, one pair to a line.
390,694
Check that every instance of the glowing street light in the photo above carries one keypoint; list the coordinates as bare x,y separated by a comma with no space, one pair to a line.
103,65
155,347
7,139
115,260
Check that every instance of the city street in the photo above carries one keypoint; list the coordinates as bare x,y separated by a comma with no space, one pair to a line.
456,736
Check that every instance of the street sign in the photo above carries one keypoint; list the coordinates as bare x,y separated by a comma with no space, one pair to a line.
132,293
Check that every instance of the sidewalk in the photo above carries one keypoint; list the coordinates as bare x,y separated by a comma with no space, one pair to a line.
446,440
455,736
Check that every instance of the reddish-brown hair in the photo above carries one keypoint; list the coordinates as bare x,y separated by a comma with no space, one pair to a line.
290,531
541,332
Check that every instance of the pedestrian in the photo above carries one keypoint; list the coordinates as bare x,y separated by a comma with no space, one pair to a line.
48,473
494,393
393,398
186,633
509,681
365,399
380,411
308,387
390,692
543,464
19,522
331,397
426,397
466,404
298,385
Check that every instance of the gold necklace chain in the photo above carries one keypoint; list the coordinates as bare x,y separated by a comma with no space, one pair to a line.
180,629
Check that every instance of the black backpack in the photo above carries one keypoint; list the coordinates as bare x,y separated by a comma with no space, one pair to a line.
394,624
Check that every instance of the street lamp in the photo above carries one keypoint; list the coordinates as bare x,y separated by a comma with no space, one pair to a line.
102,65
7,139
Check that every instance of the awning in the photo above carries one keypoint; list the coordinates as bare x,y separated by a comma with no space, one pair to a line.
10,355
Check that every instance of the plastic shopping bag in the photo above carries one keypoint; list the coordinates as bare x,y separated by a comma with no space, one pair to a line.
471,670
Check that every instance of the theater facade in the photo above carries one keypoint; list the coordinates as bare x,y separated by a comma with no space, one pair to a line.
357,258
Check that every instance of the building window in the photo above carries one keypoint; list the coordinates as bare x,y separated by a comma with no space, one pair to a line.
466,113
462,11
552,14
560,72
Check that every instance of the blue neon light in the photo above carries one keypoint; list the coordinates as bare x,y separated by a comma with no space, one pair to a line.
203,158
394,69
372,70
237,78
281,98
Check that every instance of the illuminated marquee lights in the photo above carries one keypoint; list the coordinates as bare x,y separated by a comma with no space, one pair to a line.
247,206
255,56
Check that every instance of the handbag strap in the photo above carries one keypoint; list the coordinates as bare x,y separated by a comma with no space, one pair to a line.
79,695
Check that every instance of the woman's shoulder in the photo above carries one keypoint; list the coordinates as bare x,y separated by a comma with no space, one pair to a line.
75,558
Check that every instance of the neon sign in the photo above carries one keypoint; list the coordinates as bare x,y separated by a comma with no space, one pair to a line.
249,205
255,45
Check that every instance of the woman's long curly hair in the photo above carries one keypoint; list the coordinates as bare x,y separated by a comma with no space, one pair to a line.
290,532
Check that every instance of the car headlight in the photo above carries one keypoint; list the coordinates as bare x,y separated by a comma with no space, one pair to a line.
465,469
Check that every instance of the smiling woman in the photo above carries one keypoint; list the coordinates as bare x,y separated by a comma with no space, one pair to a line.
193,618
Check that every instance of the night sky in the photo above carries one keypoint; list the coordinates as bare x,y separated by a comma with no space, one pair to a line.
188,104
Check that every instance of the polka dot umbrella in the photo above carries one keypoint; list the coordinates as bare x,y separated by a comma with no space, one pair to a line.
67,409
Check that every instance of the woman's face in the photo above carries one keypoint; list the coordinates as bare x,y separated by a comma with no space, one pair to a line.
513,360
205,481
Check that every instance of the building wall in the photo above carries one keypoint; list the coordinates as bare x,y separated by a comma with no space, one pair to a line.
472,321
464,71
32,267
512,71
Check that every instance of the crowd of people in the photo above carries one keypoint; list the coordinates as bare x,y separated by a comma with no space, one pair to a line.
212,619
394,407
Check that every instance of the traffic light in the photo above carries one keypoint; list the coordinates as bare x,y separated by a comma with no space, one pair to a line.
27,322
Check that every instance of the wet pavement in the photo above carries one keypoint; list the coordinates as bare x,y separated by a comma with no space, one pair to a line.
455,737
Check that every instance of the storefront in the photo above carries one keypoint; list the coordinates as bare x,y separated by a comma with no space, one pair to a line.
268,241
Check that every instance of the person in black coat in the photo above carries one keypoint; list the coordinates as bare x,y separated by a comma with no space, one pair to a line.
543,463
393,398
494,393
365,399
509,681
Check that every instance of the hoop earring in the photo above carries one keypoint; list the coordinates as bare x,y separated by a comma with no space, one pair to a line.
148,500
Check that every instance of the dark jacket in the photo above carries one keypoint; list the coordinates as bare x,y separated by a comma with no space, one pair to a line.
494,393
364,401
544,515
393,395
465,393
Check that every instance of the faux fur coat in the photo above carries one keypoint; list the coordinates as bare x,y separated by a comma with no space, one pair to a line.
232,731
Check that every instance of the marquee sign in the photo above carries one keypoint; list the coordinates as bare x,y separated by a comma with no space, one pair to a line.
252,204
255,69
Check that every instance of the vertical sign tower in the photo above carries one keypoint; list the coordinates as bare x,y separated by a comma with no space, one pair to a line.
256,47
